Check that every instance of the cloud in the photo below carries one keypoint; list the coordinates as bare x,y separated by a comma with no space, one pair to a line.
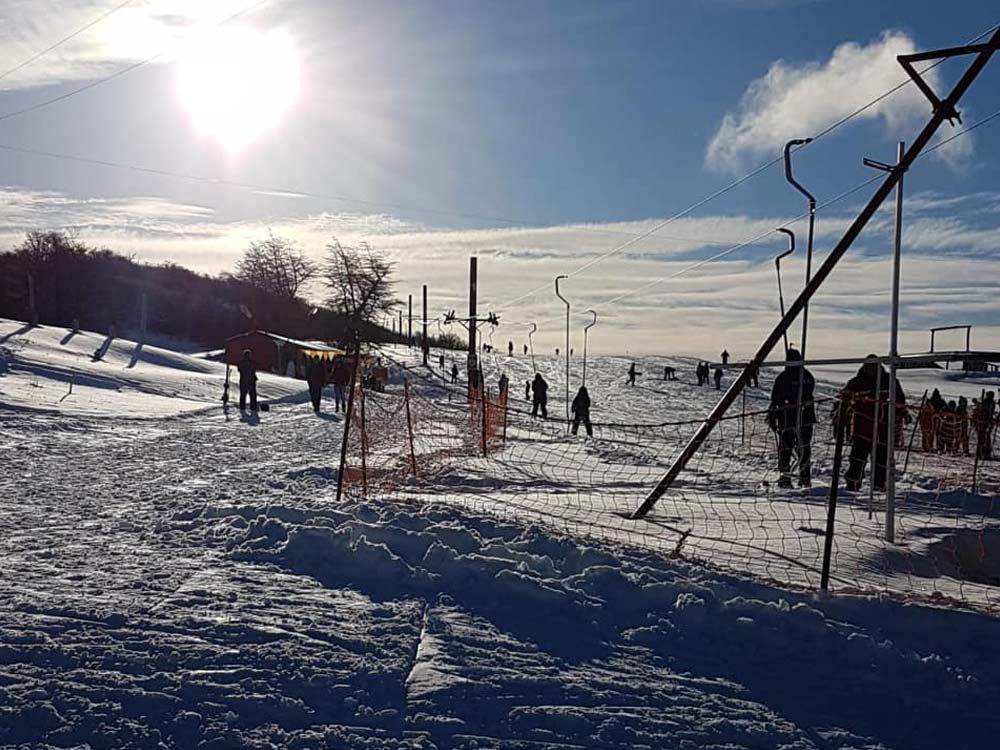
792,101
948,271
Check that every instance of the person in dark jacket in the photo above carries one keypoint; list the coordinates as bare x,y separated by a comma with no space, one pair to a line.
963,424
792,419
527,390
540,396
581,411
454,373
441,361
754,380
725,357
316,378
341,378
718,378
248,380
866,389
510,348
631,374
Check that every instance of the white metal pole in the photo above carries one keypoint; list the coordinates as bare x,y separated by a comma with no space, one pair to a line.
874,448
531,347
563,276
890,475
586,330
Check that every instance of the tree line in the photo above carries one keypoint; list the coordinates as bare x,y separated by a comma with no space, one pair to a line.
96,289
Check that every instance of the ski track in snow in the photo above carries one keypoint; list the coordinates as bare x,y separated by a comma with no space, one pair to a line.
190,582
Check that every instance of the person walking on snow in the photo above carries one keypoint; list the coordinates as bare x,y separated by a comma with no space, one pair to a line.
527,390
316,378
441,361
510,348
862,392
454,373
248,381
504,382
631,374
540,396
725,357
793,420
581,411
718,378
340,376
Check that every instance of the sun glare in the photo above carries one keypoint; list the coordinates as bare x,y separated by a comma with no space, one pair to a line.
238,84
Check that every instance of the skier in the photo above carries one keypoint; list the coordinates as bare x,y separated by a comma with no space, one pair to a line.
631,374
316,378
793,420
860,392
454,373
248,381
510,348
725,357
581,411
340,376
540,397
718,378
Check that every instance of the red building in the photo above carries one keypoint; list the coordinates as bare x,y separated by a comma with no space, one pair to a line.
277,354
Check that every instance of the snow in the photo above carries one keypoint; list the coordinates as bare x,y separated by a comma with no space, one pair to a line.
191,582
55,370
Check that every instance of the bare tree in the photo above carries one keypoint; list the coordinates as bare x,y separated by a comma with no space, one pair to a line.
359,281
275,266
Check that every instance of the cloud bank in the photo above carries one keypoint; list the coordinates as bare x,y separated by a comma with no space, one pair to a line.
949,277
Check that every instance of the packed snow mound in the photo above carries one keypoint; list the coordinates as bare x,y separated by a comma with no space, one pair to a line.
44,368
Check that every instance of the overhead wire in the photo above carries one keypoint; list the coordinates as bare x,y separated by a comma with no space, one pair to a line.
40,54
736,183
118,73
729,251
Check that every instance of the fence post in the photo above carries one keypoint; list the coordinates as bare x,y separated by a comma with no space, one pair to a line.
409,425
913,433
485,420
347,419
364,448
831,513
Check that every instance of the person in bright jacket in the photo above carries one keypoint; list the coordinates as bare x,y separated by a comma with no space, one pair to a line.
248,380
581,411
868,388
793,419
539,396
316,378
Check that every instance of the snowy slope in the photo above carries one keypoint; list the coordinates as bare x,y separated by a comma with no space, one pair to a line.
192,583
129,379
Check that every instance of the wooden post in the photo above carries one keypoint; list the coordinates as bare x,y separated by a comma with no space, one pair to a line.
485,420
409,425
473,289
831,513
347,419
32,311
426,346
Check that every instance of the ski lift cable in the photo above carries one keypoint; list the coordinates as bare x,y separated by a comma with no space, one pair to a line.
120,72
850,191
40,54
736,183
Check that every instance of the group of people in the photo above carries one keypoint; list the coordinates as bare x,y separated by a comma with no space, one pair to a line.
946,426
860,411
318,373
704,374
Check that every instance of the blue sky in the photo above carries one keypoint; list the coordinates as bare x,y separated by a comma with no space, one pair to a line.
536,115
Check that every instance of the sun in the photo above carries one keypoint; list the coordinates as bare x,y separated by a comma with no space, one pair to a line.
238,84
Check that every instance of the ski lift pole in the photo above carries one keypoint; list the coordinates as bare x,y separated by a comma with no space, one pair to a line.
531,347
943,109
812,223
586,330
566,301
777,268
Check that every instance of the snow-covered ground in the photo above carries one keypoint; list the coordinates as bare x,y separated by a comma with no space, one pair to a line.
189,581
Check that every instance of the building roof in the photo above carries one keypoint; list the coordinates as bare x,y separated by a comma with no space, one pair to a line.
309,346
